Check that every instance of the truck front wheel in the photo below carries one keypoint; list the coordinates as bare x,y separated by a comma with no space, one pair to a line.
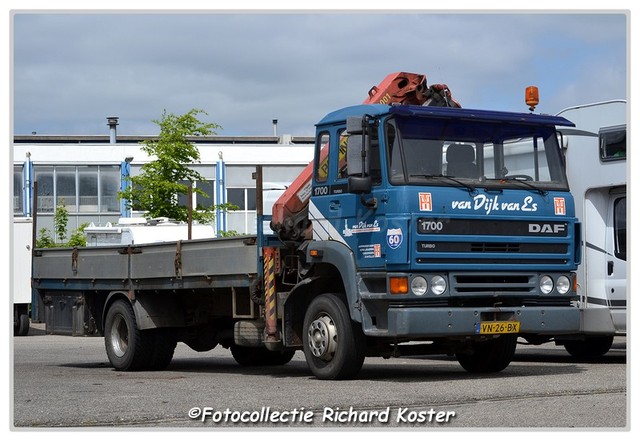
334,346
489,355
128,348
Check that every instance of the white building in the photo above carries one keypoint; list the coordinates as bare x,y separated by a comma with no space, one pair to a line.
86,172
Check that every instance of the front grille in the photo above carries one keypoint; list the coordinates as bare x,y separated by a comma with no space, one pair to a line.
445,243
491,247
507,302
492,284
494,247
492,227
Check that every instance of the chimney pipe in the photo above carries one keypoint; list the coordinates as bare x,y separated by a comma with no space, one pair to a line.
275,127
112,122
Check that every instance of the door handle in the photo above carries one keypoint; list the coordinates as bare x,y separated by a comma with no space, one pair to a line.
610,267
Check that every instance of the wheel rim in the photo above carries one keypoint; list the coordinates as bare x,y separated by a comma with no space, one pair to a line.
119,336
323,337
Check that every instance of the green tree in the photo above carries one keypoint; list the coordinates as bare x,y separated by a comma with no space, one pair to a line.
45,240
77,238
156,189
60,222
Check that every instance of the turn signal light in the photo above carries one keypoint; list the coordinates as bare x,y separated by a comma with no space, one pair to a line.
398,285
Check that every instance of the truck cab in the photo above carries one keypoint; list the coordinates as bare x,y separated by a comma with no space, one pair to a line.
459,225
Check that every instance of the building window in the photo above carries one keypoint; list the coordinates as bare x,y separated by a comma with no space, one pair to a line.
238,197
200,201
243,218
18,182
44,179
82,189
207,187
65,188
88,189
109,179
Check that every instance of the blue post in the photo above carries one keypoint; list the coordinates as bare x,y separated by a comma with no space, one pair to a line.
221,193
125,173
27,194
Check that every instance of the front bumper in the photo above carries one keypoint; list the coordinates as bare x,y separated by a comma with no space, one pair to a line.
425,322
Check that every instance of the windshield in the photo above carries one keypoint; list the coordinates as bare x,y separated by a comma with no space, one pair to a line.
483,154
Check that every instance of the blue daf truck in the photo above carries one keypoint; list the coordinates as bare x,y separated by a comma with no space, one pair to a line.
423,230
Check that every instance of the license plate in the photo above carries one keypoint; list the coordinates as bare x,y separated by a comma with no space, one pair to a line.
498,327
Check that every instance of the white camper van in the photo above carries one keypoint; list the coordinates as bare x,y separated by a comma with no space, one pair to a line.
596,160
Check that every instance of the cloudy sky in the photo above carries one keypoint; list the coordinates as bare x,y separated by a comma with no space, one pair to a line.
70,70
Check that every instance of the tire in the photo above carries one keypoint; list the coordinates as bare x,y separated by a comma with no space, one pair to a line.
489,356
590,347
334,346
249,356
21,326
128,348
164,345
246,356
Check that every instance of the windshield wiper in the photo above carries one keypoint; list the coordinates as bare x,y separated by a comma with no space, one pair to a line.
521,181
469,188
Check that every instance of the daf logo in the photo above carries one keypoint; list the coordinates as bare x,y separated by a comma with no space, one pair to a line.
547,228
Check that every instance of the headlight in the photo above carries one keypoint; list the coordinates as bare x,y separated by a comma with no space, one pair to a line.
438,285
419,285
563,285
546,284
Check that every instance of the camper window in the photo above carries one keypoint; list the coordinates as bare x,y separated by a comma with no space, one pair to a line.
613,143
620,227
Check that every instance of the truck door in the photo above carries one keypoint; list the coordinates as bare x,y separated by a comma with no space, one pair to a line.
339,215
366,229
616,243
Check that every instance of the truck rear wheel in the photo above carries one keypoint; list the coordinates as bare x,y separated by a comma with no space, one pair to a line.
489,355
164,345
333,344
128,348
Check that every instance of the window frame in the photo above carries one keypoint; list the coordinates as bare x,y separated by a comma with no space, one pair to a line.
603,133
620,228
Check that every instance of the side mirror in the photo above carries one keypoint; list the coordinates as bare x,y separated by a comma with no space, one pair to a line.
359,184
356,164
358,161
354,125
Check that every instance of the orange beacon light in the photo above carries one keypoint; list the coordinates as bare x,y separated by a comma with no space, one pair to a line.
531,97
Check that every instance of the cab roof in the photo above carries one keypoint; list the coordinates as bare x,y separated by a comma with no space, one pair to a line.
474,115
